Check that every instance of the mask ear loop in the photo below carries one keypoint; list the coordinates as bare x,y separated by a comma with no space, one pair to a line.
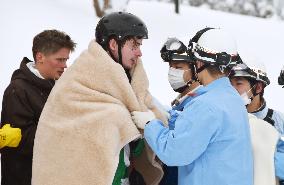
253,92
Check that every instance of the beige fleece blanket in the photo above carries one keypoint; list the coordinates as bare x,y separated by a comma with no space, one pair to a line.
86,121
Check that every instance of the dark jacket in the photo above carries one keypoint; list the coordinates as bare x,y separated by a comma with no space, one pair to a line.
22,104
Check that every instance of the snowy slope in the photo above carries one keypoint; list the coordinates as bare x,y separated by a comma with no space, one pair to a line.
263,38
21,20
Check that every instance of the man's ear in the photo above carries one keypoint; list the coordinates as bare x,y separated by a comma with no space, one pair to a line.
259,87
113,45
39,57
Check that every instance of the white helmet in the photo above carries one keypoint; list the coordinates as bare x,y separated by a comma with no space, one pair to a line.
214,46
252,68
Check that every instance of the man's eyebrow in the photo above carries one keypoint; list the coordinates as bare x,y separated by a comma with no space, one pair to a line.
137,43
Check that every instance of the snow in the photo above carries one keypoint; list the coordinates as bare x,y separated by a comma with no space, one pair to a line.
20,21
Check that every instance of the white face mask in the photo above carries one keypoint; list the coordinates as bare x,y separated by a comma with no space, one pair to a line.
175,77
246,98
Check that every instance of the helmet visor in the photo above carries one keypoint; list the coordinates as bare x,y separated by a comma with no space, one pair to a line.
242,70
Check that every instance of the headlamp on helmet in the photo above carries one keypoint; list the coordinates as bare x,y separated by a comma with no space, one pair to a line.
174,50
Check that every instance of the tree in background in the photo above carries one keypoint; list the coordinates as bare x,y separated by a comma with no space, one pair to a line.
100,11
258,8
109,6
279,4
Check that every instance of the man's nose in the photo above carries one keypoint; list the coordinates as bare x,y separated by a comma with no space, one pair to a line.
138,52
64,64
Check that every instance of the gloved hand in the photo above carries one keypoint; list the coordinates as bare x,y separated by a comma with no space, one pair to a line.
141,118
166,114
173,116
9,136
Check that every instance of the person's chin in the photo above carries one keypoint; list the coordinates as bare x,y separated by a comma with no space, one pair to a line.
128,67
58,76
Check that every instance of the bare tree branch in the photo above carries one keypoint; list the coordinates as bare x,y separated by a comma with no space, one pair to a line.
98,9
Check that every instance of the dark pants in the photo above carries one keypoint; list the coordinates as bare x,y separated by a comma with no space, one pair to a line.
170,175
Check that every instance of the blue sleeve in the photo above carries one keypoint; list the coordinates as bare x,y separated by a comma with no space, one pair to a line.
279,160
279,121
173,116
188,140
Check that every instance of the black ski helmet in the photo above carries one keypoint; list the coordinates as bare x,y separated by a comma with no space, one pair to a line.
120,25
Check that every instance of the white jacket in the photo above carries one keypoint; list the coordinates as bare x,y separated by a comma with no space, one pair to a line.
264,141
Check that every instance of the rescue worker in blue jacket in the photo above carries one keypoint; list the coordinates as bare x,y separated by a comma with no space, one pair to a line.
250,80
210,142
182,80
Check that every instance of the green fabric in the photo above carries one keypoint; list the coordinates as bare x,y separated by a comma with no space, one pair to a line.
121,171
138,149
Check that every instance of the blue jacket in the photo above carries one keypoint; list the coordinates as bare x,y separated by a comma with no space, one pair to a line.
171,172
210,141
279,160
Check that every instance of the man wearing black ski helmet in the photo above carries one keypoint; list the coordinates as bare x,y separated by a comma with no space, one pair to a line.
106,83
115,30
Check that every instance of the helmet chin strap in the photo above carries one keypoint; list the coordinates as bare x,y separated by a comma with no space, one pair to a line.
119,53
196,71
119,60
181,89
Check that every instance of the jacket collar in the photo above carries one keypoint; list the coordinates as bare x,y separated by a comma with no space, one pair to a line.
24,73
218,83
262,111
